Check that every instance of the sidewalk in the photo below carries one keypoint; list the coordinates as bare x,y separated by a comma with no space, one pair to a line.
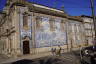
3,57
65,57
29,56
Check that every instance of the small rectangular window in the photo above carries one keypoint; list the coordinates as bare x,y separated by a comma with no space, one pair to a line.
25,21
52,24
62,26
38,22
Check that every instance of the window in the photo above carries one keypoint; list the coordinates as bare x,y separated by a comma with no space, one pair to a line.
25,21
62,26
38,22
52,24
88,26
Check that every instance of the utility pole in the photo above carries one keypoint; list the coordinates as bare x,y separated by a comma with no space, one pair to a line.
94,21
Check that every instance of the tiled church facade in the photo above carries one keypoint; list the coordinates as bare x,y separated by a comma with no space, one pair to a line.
29,28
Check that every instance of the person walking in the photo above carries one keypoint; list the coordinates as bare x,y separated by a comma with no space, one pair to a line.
53,50
59,51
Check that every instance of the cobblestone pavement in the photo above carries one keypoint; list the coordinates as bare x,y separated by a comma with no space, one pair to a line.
66,58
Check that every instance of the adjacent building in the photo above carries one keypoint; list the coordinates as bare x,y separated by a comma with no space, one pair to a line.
89,28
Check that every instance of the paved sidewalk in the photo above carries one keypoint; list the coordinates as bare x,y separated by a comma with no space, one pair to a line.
29,56
65,58
3,57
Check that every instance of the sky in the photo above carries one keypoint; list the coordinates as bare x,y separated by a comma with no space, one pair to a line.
71,7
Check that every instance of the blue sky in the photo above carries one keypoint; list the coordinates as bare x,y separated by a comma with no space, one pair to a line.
72,7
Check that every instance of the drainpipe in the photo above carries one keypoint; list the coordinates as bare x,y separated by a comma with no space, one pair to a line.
67,36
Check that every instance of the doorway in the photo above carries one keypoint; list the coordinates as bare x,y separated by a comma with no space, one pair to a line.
26,48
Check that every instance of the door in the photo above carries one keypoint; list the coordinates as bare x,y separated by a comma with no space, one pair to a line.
26,49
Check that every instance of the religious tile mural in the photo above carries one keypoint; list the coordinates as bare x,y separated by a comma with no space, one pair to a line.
44,37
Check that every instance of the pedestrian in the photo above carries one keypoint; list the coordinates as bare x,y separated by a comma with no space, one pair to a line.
59,50
53,50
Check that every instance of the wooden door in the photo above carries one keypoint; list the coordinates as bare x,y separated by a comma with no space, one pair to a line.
26,49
